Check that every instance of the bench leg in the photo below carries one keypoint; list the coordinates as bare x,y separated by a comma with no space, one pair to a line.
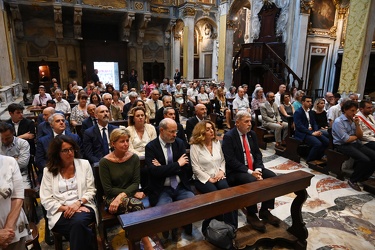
334,162
298,227
103,236
134,245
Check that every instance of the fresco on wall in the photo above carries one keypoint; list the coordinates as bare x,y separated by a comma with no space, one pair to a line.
239,32
323,14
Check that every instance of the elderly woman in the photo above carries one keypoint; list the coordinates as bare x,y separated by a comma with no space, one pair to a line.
67,193
124,92
140,132
79,112
178,95
95,99
258,99
116,101
120,176
297,99
13,221
208,164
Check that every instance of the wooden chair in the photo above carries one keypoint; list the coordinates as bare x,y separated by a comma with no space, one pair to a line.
29,206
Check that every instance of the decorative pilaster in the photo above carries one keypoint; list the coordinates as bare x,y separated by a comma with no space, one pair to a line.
142,27
78,23
126,25
17,20
188,40
357,46
57,10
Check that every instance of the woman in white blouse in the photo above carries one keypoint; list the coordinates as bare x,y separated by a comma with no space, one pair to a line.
208,165
140,131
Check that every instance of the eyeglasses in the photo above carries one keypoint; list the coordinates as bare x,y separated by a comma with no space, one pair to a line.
173,131
67,150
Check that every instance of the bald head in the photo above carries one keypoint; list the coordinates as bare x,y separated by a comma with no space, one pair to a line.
47,112
200,111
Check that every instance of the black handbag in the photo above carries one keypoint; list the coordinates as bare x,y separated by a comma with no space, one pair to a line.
221,234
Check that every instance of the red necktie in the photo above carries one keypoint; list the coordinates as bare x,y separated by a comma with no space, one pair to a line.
247,151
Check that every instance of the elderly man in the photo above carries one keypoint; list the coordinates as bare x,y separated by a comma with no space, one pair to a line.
17,148
167,102
61,104
170,112
200,114
329,101
335,111
169,168
282,89
127,107
272,120
58,125
192,94
154,104
240,103
244,164
114,112
23,128
44,128
41,98
91,120
96,138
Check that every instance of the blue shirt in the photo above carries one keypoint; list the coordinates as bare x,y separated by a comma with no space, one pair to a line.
342,128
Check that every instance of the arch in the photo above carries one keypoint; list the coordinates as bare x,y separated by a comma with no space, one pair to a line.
236,6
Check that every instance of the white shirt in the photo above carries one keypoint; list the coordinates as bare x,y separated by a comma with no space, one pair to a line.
63,106
368,134
277,99
241,104
334,112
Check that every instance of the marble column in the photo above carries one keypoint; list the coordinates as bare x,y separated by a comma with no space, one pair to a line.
228,76
176,52
6,60
359,34
222,47
188,40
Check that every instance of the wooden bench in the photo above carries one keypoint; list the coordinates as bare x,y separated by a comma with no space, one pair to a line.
161,218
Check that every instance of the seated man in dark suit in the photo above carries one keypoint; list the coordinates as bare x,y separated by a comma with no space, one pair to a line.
169,169
307,130
167,102
50,103
170,112
23,128
44,128
200,114
95,145
127,107
89,121
58,126
244,164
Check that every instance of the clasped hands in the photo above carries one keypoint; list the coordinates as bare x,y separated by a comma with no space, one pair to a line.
257,174
74,208
218,177
6,237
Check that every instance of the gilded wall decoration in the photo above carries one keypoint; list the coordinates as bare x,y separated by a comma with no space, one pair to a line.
159,10
354,45
189,11
138,6
306,6
108,4
164,2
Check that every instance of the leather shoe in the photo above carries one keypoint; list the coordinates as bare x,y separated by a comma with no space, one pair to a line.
269,218
278,146
354,185
255,223
189,229
283,143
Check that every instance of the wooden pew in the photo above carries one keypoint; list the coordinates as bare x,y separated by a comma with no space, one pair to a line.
158,219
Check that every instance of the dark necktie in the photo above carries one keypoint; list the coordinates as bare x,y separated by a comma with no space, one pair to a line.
156,105
247,152
94,121
172,178
105,142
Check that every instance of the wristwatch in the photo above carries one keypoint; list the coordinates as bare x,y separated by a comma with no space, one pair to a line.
80,201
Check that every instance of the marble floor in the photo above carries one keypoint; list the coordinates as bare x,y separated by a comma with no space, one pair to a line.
337,217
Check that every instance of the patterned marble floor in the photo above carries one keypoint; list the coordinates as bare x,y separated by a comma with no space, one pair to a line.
337,217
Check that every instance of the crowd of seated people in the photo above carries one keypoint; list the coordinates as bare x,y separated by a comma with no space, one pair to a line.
153,131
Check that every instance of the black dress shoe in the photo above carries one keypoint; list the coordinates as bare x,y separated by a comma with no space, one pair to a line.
255,223
269,218
354,185
165,234
189,229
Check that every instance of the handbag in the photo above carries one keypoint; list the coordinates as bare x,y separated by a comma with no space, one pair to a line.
221,234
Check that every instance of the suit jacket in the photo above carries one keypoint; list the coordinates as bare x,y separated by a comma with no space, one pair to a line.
158,174
40,118
234,152
160,116
270,114
93,143
190,124
177,77
302,124
125,110
150,105
25,126
44,128
87,123
43,144
180,134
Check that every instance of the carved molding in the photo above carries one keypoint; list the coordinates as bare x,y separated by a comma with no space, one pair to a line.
78,23
17,20
306,6
127,22
142,26
231,24
160,10
57,10
138,6
189,11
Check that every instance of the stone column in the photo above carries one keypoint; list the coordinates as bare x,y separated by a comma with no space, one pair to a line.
360,30
228,76
6,59
189,14
176,51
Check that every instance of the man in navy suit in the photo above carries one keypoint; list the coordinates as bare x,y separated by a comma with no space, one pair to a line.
200,114
307,130
244,164
95,146
23,128
169,168
167,102
44,128
57,122
89,121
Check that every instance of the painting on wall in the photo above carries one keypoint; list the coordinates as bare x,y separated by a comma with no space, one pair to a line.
239,32
323,14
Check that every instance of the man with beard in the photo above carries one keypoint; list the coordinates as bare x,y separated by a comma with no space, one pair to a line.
96,138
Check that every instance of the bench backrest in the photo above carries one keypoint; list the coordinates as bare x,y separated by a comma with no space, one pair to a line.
183,212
